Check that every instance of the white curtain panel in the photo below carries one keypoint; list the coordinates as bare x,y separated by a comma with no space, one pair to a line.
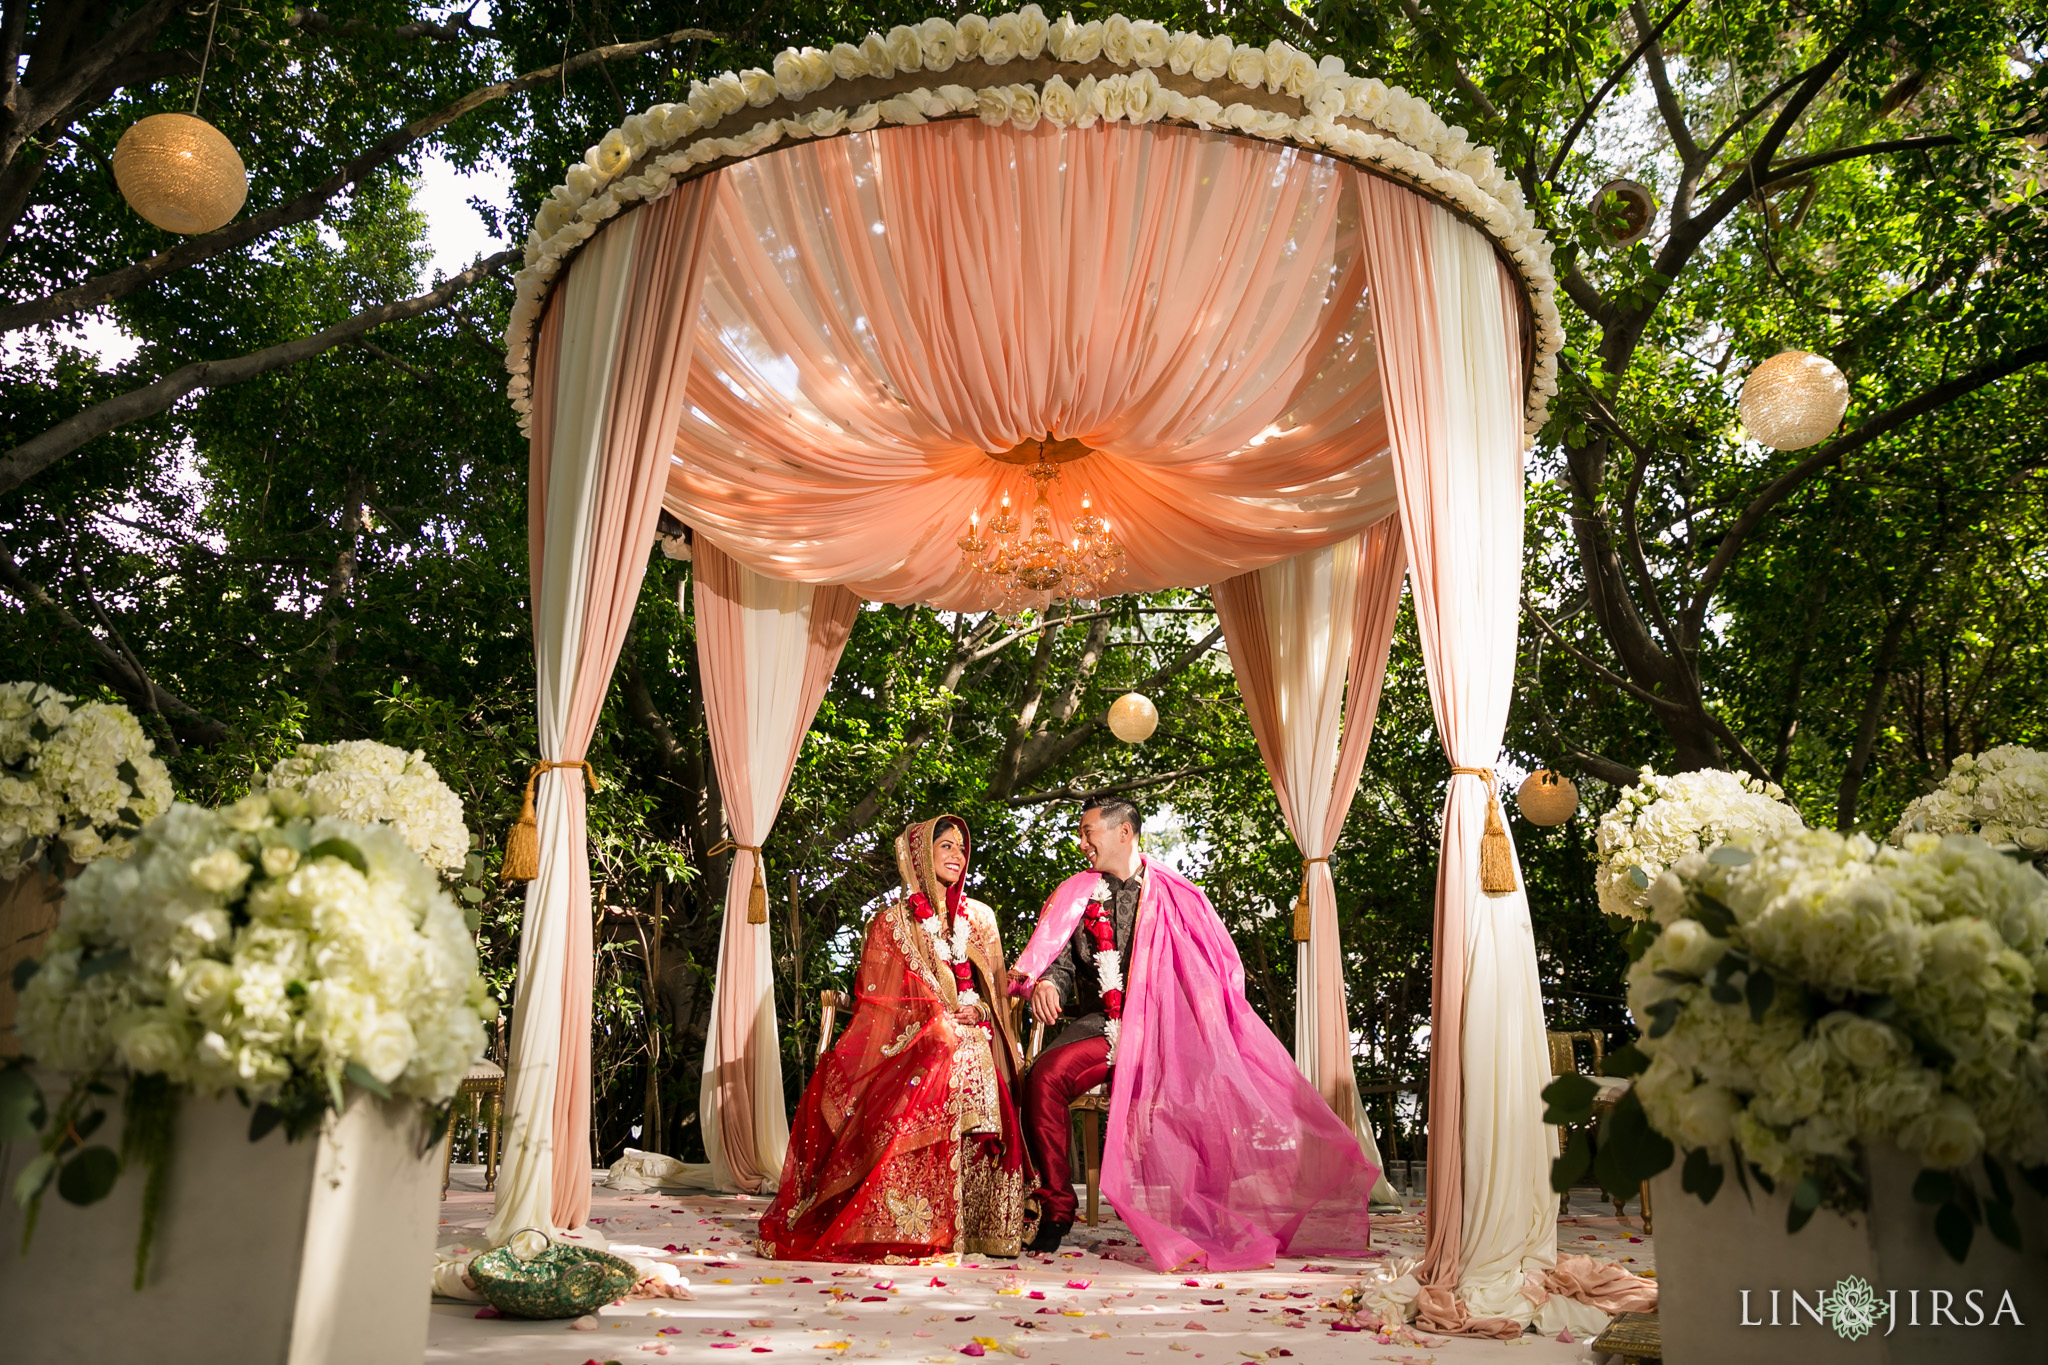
776,628
594,297
1469,623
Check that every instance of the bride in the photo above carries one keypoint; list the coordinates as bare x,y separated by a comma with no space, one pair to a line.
906,1144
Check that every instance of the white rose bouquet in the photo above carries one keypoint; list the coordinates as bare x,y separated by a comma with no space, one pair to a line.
368,782
1661,819
80,775
259,949
1812,993
2000,795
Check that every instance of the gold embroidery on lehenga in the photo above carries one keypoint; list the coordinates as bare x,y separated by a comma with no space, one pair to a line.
904,1040
913,1215
919,954
992,1211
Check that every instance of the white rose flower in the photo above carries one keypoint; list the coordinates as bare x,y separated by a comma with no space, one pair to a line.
1086,43
1183,51
972,29
899,110
993,103
1003,40
1946,1136
1117,43
1149,44
847,62
1214,62
153,1041
1088,100
1706,1116
387,1049
940,42
1058,104
824,122
880,57
1324,100
1032,29
1023,108
1110,96
1248,67
1144,100
220,872
206,988
611,155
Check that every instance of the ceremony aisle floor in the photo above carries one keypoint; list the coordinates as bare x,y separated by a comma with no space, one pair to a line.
1083,1307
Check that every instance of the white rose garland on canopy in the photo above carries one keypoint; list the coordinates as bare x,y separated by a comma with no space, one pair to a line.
1816,991
80,775
1358,118
2000,795
368,782
1661,819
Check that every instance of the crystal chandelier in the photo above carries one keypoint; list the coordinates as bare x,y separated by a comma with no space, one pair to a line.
1028,562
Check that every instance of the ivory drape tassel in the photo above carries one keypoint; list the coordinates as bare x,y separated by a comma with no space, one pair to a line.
1301,913
757,898
522,841
1496,859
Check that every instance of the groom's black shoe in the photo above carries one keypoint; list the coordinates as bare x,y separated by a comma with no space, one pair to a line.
1049,1237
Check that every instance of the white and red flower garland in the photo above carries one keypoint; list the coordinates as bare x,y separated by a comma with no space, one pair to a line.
1109,964
951,946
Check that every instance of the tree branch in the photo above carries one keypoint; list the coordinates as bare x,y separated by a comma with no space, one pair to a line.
1076,791
129,680
1660,82
92,293
1466,85
38,453
1571,134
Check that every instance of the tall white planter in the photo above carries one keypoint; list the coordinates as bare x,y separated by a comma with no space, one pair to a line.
317,1252
1709,1254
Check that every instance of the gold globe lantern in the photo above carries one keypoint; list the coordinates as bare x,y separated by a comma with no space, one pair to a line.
1547,798
1793,400
1133,718
180,173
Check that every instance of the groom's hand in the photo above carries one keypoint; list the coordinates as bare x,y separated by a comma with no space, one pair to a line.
1045,1002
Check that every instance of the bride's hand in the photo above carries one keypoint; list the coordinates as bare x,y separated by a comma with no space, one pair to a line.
967,1016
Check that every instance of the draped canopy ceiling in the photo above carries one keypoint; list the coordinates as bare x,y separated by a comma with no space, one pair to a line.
1277,304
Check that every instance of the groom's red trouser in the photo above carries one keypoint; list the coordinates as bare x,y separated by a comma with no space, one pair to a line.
1058,1077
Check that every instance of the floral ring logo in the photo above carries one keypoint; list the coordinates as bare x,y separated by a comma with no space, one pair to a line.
1853,1309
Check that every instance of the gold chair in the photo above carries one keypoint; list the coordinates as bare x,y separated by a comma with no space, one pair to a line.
1564,1062
833,1002
484,1087
1089,1107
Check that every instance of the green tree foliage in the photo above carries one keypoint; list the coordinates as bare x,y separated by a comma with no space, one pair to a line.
323,534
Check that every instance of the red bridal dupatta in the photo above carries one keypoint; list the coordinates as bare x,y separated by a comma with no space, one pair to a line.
1219,1150
883,1164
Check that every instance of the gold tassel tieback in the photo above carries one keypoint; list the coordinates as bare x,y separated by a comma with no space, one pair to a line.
1496,859
522,841
757,898
1301,915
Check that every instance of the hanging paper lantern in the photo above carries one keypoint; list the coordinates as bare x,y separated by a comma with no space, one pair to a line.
1133,718
1637,207
180,173
1547,798
1793,400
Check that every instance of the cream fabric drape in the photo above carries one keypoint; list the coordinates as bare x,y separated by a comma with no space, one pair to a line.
610,375
1443,309
1308,643
766,648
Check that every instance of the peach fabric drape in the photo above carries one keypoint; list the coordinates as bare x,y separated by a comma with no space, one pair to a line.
1308,644
766,648
883,309
1449,345
609,386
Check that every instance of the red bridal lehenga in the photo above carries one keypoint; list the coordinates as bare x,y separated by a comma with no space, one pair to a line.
906,1144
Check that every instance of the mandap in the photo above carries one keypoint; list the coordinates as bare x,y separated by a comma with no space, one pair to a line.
1287,329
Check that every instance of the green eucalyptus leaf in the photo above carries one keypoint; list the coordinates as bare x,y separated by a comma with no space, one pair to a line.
1726,856
1640,878
21,1105
1761,990
2002,1225
89,1176
34,1177
1702,1175
1569,1099
1626,1061
1954,1230
472,894
342,849
1664,1015
1571,1164
360,1075
102,962
24,972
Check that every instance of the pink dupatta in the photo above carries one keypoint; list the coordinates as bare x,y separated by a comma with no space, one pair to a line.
1219,1151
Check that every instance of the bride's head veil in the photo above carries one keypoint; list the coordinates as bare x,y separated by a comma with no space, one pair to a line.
914,861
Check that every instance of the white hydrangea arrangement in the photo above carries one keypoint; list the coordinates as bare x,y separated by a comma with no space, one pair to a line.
368,782
2000,795
1662,819
82,776
1359,118
1816,992
259,949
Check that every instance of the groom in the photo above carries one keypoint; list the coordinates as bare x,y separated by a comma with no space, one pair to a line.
1218,1151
